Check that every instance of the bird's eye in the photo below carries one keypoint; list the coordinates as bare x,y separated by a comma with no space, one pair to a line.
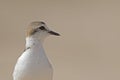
42,28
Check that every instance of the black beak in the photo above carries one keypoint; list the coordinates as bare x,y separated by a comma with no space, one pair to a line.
54,33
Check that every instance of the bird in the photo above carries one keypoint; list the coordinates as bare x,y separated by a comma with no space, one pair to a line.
33,64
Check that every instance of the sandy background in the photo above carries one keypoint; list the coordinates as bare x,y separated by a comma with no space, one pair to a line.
89,48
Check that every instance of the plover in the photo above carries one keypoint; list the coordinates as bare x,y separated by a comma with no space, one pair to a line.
33,64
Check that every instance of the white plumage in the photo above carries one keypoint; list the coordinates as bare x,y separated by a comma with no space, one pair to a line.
33,64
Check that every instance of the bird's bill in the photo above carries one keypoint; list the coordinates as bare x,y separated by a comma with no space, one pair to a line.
54,33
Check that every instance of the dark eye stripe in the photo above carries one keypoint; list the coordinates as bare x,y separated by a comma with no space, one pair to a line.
42,28
42,22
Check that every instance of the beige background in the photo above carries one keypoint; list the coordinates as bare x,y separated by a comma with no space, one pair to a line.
89,48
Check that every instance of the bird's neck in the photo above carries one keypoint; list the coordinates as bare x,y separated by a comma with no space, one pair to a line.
32,41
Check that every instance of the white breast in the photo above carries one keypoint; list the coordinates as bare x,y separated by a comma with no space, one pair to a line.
33,65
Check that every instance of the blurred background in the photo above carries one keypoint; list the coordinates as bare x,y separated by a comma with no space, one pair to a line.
89,46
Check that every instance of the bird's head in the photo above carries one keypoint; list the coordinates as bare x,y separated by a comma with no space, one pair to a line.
39,29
